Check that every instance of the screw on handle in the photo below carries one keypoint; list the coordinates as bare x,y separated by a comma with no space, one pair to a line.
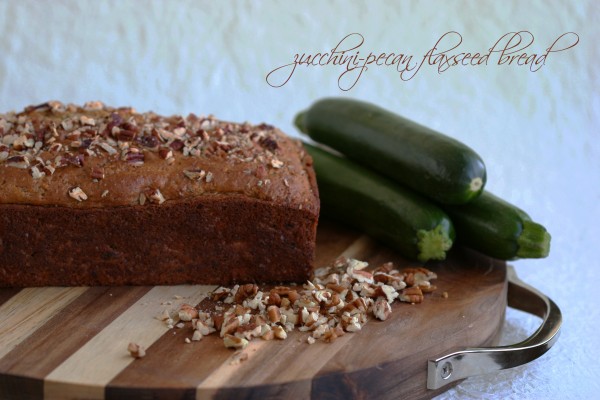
478,361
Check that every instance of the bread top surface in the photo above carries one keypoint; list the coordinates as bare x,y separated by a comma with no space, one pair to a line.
98,156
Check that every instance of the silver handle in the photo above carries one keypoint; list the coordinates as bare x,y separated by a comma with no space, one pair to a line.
477,361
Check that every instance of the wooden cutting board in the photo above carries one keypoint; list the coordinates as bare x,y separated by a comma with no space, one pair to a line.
65,343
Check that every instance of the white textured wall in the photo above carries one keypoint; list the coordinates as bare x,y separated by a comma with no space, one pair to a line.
537,131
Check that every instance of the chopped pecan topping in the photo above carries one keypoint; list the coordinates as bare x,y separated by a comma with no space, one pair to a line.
177,144
134,157
275,163
36,173
195,175
17,162
97,173
52,129
269,143
93,105
153,196
165,153
85,120
148,141
70,159
108,148
77,193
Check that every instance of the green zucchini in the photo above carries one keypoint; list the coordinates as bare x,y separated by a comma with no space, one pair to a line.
402,219
498,229
422,159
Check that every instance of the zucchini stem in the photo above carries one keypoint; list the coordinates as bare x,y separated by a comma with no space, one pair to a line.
534,241
299,122
433,244
476,185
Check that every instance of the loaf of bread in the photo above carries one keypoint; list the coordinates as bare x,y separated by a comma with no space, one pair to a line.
95,195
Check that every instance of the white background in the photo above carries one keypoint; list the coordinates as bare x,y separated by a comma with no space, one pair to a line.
537,131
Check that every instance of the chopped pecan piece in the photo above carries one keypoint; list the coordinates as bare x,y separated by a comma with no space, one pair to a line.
135,350
411,294
97,173
77,193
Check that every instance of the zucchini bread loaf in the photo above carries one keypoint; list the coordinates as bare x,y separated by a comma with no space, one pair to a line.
95,195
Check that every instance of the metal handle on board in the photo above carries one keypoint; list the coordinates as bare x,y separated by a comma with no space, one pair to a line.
477,361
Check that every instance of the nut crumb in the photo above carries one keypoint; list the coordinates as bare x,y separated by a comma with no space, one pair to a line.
340,299
163,316
187,313
235,342
135,350
197,336
279,332
238,357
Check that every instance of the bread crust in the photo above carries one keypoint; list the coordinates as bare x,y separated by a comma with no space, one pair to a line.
241,205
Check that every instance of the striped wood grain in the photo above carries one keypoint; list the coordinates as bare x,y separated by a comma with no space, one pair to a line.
67,343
